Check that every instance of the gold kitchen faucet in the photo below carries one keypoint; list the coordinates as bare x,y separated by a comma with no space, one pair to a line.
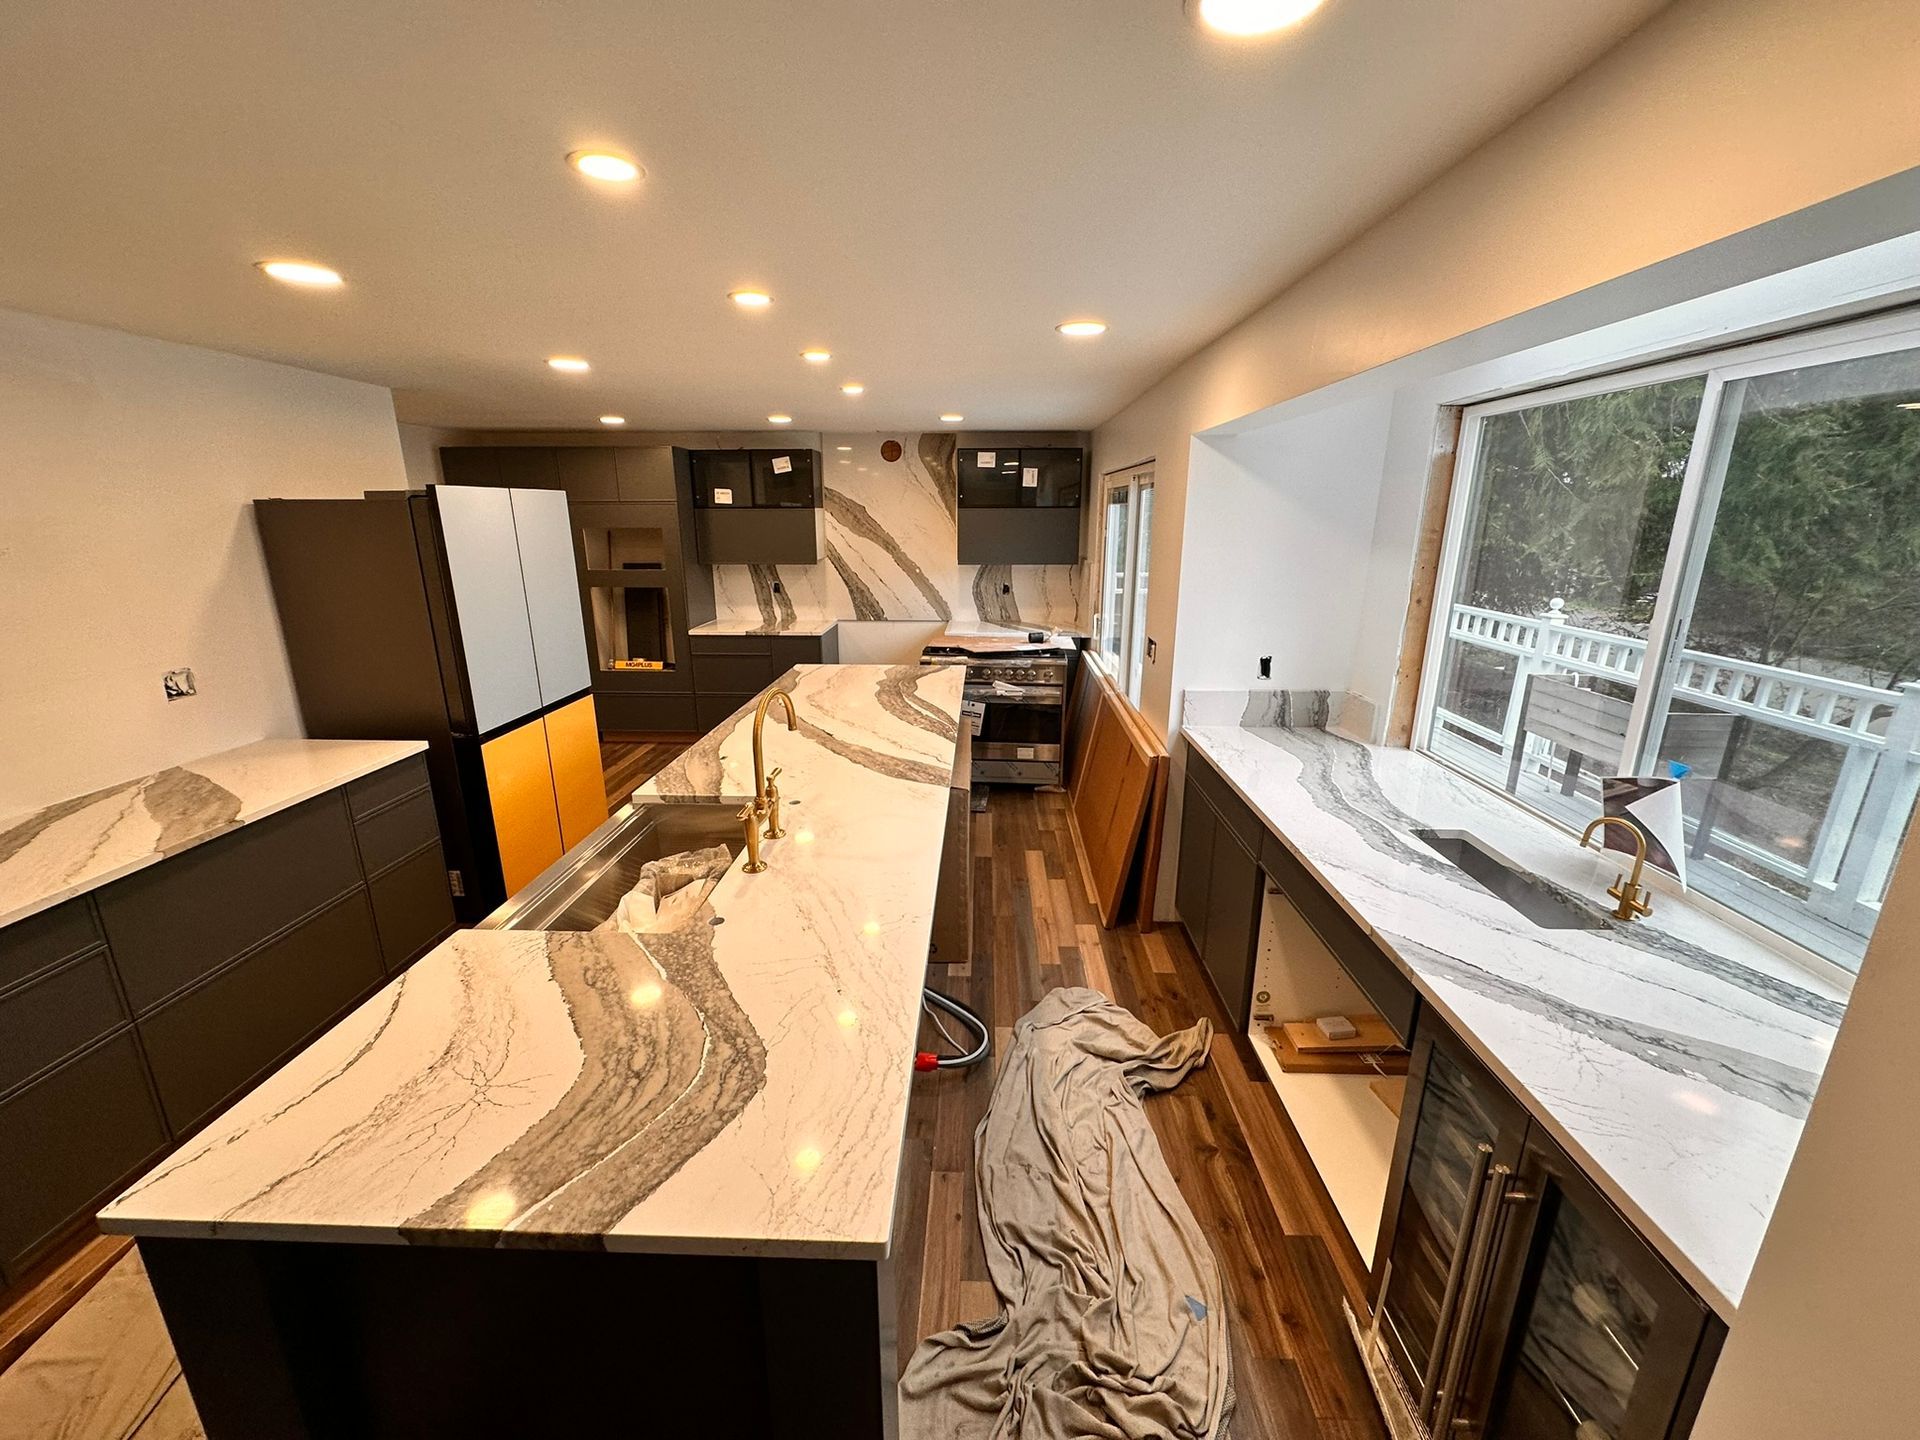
1635,899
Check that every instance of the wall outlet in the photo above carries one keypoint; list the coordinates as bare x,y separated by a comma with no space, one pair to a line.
1266,667
1153,648
178,684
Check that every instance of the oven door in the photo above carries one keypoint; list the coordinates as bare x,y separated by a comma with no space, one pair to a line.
1023,727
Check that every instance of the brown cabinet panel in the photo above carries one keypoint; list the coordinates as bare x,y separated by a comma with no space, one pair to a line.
171,924
587,472
646,473
412,908
383,787
218,1038
731,674
731,644
397,832
43,941
67,1141
56,1015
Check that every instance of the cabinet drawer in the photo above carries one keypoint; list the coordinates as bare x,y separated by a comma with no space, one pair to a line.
42,941
380,789
731,644
1390,991
713,710
791,650
43,1023
69,1140
176,922
412,908
731,674
1234,813
397,832
214,1040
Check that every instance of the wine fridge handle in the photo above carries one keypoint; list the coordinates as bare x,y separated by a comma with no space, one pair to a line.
1469,1224
1472,1288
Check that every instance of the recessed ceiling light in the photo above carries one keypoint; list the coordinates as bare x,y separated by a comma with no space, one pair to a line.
1246,18
569,364
843,447
779,419
300,272
951,419
853,387
812,357
750,299
1911,405
1080,328
613,419
601,165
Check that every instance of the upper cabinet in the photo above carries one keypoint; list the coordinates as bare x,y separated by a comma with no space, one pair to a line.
1021,507
756,507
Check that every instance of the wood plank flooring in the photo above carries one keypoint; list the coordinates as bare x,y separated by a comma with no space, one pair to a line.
631,763
1283,1260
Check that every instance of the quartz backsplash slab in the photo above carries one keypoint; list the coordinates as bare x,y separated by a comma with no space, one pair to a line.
1337,710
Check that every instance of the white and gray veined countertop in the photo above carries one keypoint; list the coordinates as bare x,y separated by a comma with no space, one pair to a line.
738,1086
66,849
1675,1057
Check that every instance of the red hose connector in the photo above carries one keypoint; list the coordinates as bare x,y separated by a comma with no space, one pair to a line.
926,1060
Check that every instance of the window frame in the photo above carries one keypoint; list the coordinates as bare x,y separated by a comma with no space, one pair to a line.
1686,546
1120,663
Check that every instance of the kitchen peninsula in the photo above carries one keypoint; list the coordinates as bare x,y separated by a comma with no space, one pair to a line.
547,1175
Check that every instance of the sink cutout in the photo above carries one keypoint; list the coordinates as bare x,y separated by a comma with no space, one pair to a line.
1538,902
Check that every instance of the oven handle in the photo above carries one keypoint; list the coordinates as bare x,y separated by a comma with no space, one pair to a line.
1044,696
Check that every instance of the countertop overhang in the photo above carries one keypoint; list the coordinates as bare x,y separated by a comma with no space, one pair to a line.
1675,1058
736,1088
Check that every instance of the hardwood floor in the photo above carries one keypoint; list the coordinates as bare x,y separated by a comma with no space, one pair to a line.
631,763
1223,1132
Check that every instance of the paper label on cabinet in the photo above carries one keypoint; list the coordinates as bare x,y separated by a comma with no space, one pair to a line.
974,714
985,459
782,464
1030,477
722,495
1023,752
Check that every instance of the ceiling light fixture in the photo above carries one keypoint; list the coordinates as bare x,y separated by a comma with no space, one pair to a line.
602,165
853,387
569,364
300,272
812,357
613,419
843,447
779,419
1911,405
1079,329
1246,19
750,299
951,419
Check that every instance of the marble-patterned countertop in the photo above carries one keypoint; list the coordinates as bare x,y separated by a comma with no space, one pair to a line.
736,1086
1675,1058
799,624
53,854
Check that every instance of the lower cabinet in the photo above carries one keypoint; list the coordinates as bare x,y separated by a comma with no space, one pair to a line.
730,671
1217,892
545,791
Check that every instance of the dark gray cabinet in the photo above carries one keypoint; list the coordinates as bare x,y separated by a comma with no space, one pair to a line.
730,670
757,507
1020,506
130,1016
1218,892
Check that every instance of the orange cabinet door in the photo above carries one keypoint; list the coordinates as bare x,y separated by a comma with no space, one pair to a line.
526,820
579,781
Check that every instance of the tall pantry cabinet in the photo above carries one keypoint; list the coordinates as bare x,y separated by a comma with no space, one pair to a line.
452,616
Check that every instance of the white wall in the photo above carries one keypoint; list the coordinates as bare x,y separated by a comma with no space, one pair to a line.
127,544
1716,116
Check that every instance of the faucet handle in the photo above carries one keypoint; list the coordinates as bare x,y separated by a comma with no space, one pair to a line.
770,804
749,818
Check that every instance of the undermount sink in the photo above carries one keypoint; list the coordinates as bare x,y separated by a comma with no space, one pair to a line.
584,886
1537,901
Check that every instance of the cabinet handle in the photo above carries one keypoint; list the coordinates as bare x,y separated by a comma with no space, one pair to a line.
1471,1297
1443,1332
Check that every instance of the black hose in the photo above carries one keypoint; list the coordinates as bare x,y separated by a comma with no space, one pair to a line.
933,998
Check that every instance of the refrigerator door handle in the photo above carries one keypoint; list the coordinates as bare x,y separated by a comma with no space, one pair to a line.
1469,1225
1471,1299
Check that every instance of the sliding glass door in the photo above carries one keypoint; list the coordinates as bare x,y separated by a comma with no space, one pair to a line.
1708,571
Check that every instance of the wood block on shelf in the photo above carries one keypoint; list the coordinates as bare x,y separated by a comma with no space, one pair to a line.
1390,1091
1384,1061
1374,1034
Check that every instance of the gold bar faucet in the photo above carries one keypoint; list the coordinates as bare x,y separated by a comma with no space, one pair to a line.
766,795
1635,899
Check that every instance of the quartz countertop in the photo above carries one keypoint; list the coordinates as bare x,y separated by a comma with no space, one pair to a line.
802,624
1675,1057
736,1086
53,854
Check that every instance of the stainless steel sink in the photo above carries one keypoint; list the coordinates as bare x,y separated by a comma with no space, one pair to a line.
1537,901
584,886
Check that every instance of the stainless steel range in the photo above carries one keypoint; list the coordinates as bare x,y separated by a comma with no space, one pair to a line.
1016,701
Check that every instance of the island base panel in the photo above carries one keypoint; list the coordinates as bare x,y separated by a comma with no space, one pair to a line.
283,1340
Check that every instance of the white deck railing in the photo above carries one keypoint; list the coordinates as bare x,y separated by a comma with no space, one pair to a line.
1878,730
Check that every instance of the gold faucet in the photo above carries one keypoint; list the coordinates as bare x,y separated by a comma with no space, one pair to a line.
1635,899
749,818
766,795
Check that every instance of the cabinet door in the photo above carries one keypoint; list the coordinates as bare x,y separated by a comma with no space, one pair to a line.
722,478
1052,479
1233,904
1197,827
989,478
1463,1124
786,479
545,533
526,816
482,559
579,779
1589,1335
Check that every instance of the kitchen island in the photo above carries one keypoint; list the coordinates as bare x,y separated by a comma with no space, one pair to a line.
567,1182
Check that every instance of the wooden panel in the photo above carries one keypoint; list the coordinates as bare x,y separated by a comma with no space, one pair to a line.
1109,799
1426,572
526,816
579,782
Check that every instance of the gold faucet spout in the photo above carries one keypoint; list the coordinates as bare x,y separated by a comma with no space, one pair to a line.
759,747
765,804
1635,900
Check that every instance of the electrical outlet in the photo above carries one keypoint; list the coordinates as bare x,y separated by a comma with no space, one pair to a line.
1266,667
178,684
1006,589
456,882
1153,648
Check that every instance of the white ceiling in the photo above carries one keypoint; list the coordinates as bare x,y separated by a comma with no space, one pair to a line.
926,188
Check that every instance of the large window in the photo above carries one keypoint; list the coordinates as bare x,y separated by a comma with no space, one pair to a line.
1126,543
1708,570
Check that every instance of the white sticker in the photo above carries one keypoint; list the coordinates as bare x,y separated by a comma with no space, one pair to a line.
986,459
974,712
1030,477
1023,752
722,495
782,464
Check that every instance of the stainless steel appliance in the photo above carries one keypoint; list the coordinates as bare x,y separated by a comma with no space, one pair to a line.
1017,699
